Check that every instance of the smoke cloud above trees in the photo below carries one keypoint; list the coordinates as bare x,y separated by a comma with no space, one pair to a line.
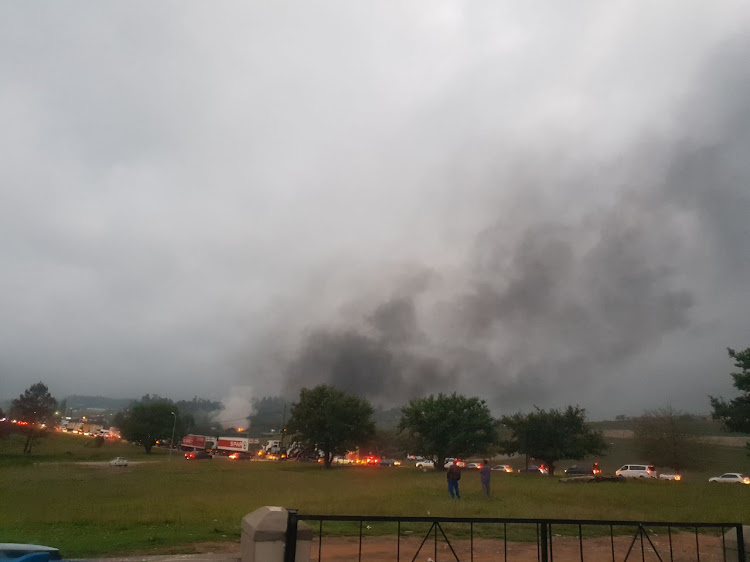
540,205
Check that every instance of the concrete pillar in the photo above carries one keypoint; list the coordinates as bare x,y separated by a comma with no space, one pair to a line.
264,536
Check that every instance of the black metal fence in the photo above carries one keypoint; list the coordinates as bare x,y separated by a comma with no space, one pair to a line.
545,540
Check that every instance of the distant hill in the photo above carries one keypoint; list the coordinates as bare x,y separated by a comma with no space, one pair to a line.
700,425
78,402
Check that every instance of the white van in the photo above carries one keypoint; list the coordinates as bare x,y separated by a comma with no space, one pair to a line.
636,471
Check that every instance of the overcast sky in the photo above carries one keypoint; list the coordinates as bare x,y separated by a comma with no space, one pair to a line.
538,203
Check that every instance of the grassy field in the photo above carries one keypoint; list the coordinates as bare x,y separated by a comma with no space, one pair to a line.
67,496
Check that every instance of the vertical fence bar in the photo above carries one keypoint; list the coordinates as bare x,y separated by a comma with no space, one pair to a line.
290,545
671,551
538,545
697,546
398,543
643,550
360,541
740,544
320,541
543,553
723,546
436,524
505,542
551,554
580,541
471,532
612,541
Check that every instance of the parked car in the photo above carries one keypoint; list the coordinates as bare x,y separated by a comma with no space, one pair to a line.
389,462
579,471
674,477
197,455
731,478
18,551
533,469
240,457
636,471
425,464
118,461
503,468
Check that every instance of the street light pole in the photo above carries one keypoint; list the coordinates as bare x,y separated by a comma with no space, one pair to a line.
171,441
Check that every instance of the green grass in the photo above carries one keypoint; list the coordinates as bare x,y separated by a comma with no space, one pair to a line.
164,506
67,447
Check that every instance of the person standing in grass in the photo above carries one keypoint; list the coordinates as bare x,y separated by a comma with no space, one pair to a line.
484,477
454,475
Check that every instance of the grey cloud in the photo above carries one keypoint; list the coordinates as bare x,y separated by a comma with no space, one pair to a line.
430,196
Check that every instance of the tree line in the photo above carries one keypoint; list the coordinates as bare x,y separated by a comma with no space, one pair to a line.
435,427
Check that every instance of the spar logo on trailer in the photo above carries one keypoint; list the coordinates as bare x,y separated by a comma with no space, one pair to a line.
238,444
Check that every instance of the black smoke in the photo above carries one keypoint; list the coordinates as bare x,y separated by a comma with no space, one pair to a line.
541,314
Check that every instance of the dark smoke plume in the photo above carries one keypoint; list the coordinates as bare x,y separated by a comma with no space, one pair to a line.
535,316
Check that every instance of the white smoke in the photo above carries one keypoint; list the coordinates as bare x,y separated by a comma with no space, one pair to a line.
237,408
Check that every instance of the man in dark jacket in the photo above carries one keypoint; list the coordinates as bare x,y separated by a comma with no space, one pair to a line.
484,477
454,475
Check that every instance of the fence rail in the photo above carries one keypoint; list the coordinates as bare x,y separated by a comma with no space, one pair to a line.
636,540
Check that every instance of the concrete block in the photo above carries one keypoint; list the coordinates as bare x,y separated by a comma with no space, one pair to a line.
264,536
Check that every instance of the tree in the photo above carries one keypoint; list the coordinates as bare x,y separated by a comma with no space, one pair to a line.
386,443
448,425
268,414
5,426
145,423
330,420
735,414
35,408
666,437
198,415
554,435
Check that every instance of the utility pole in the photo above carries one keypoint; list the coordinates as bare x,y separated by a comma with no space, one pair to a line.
171,441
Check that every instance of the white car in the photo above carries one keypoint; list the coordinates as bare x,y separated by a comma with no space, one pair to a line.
449,462
503,468
731,478
675,477
636,471
118,461
425,464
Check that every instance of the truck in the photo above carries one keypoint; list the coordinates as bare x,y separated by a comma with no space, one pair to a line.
221,445
196,442
272,447
235,444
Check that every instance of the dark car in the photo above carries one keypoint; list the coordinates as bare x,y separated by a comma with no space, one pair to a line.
579,471
389,462
240,457
533,469
197,455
